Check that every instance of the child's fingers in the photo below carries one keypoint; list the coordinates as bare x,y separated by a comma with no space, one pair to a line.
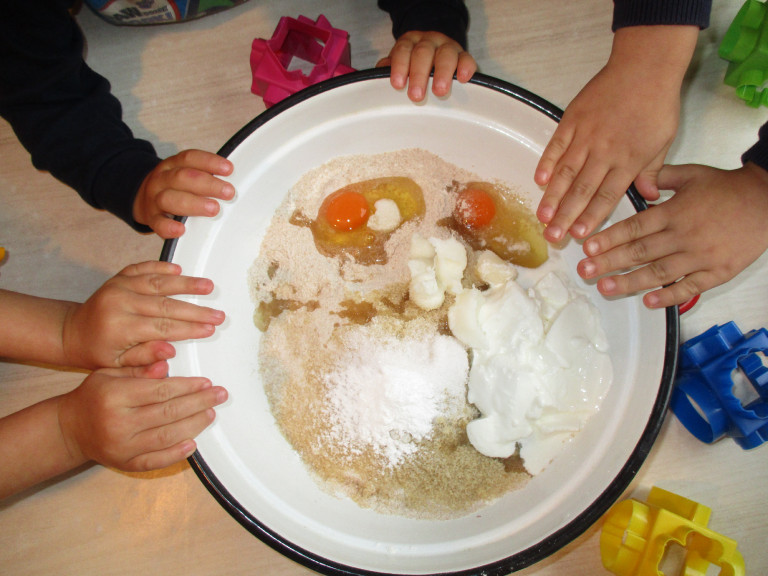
634,253
163,308
186,201
166,227
637,226
602,203
162,458
154,284
400,62
155,370
422,59
201,160
147,353
147,329
151,267
679,292
446,62
655,274
674,177
550,161
573,185
557,146
142,393
466,67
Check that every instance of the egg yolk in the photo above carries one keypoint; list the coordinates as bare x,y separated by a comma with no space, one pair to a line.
474,208
345,210
489,217
342,227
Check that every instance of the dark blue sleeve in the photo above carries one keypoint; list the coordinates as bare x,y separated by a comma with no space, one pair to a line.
450,17
661,12
758,154
63,112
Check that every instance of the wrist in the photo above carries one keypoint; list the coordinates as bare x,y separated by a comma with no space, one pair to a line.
657,54
67,421
71,354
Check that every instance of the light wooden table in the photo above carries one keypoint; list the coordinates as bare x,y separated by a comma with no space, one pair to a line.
188,86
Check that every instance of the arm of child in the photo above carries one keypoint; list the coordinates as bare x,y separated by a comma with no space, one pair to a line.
127,322
183,185
679,242
132,419
617,129
65,115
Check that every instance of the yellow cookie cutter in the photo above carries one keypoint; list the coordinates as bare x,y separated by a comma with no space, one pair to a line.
635,536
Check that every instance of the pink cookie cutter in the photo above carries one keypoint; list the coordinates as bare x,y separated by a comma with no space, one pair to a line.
300,53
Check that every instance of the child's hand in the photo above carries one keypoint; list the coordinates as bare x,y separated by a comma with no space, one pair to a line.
415,54
130,319
135,419
182,185
704,235
617,130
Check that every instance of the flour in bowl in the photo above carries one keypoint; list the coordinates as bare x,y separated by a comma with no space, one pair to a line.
363,374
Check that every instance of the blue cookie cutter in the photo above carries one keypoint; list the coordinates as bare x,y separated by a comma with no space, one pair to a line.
704,399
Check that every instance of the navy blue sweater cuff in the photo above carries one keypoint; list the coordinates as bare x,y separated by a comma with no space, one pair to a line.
661,12
118,181
758,154
450,17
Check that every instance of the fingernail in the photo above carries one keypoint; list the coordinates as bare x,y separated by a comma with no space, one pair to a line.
651,300
541,177
218,316
221,395
167,353
398,81
188,447
587,269
579,230
554,232
204,285
591,247
545,213
225,167
608,285
228,192
211,207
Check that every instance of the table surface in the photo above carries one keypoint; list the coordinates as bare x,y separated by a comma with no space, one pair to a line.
188,86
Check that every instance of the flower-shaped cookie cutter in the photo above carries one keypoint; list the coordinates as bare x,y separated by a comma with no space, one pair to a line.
745,46
712,366
636,536
300,53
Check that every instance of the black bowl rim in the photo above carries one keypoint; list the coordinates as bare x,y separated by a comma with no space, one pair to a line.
551,543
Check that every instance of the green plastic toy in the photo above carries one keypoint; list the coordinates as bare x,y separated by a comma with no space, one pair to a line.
745,46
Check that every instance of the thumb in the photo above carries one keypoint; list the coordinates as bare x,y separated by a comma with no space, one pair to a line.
647,181
673,177
647,185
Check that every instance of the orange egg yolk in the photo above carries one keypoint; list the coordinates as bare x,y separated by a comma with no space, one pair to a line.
474,208
346,210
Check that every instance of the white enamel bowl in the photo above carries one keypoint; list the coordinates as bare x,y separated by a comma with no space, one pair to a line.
491,128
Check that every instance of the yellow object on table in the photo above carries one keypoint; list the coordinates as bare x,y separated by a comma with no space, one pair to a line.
635,536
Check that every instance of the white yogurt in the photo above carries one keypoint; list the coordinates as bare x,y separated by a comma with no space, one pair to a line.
540,366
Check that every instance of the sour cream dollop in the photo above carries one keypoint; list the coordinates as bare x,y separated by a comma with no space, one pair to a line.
540,363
